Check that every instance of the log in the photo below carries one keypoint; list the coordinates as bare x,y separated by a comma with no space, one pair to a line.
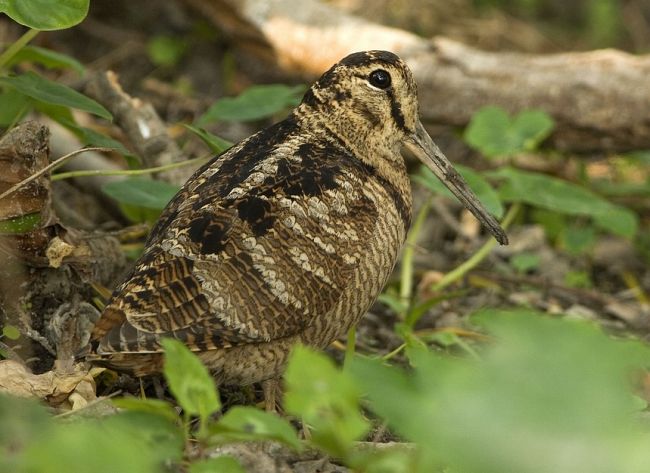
599,99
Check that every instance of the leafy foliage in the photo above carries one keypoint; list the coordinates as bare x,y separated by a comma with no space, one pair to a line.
189,381
46,14
561,196
166,51
523,407
484,191
326,399
259,101
48,58
141,199
494,133
45,90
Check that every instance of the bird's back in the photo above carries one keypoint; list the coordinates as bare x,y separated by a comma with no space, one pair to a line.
287,236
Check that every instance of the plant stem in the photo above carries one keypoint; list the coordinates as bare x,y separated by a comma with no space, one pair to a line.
16,46
53,165
477,257
126,172
351,345
406,276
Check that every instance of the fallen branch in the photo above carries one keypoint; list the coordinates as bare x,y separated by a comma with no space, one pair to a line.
140,123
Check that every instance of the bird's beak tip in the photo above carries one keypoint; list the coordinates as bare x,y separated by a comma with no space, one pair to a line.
420,143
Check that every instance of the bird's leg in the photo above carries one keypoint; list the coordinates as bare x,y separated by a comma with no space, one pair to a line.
270,389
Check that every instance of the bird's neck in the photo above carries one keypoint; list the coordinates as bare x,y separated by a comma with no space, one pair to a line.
375,148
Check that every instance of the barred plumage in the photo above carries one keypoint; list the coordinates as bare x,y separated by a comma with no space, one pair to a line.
287,237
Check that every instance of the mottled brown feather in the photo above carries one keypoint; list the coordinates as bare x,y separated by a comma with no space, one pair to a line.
287,237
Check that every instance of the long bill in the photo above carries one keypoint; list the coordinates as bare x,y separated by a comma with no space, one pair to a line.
421,144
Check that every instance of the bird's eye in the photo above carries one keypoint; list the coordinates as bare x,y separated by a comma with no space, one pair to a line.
379,78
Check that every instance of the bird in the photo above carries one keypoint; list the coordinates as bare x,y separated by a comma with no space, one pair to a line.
286,238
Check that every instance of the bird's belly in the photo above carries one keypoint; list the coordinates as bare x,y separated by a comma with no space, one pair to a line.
376,260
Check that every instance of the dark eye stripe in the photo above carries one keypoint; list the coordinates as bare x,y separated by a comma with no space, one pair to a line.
396,111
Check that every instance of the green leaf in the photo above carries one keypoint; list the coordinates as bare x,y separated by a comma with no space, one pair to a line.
531,127
564,197
259,101
214,142
578,239
10,332
223,464
150,406
521,407
87,136
21,224
43,89
14,106
166,51
579,279
131,442
327,399
141,192
524,262
46,15
48,58
492,132
189,380
24,422
484,191
394,302
248,423
138,214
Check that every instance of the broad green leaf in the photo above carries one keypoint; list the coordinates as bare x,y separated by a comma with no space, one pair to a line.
393,301
622,189
48,58
618,220
46,15
553,222
247,423
524,262
10,332
150,406
165,50
87,136
22,224
326,399
43,89
223,464
489,132
564,197
141,192
481,187
129,443
90,137
546,395
24,422
259,101
577,239
492,132
14,106
137,214
189,380
531,127
579,279
214,142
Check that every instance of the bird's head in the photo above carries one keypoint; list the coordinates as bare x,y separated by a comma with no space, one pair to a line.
369,100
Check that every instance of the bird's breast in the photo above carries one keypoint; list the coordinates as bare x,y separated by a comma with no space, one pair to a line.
370,259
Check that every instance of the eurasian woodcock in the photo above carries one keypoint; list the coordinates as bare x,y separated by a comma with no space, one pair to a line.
286,238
